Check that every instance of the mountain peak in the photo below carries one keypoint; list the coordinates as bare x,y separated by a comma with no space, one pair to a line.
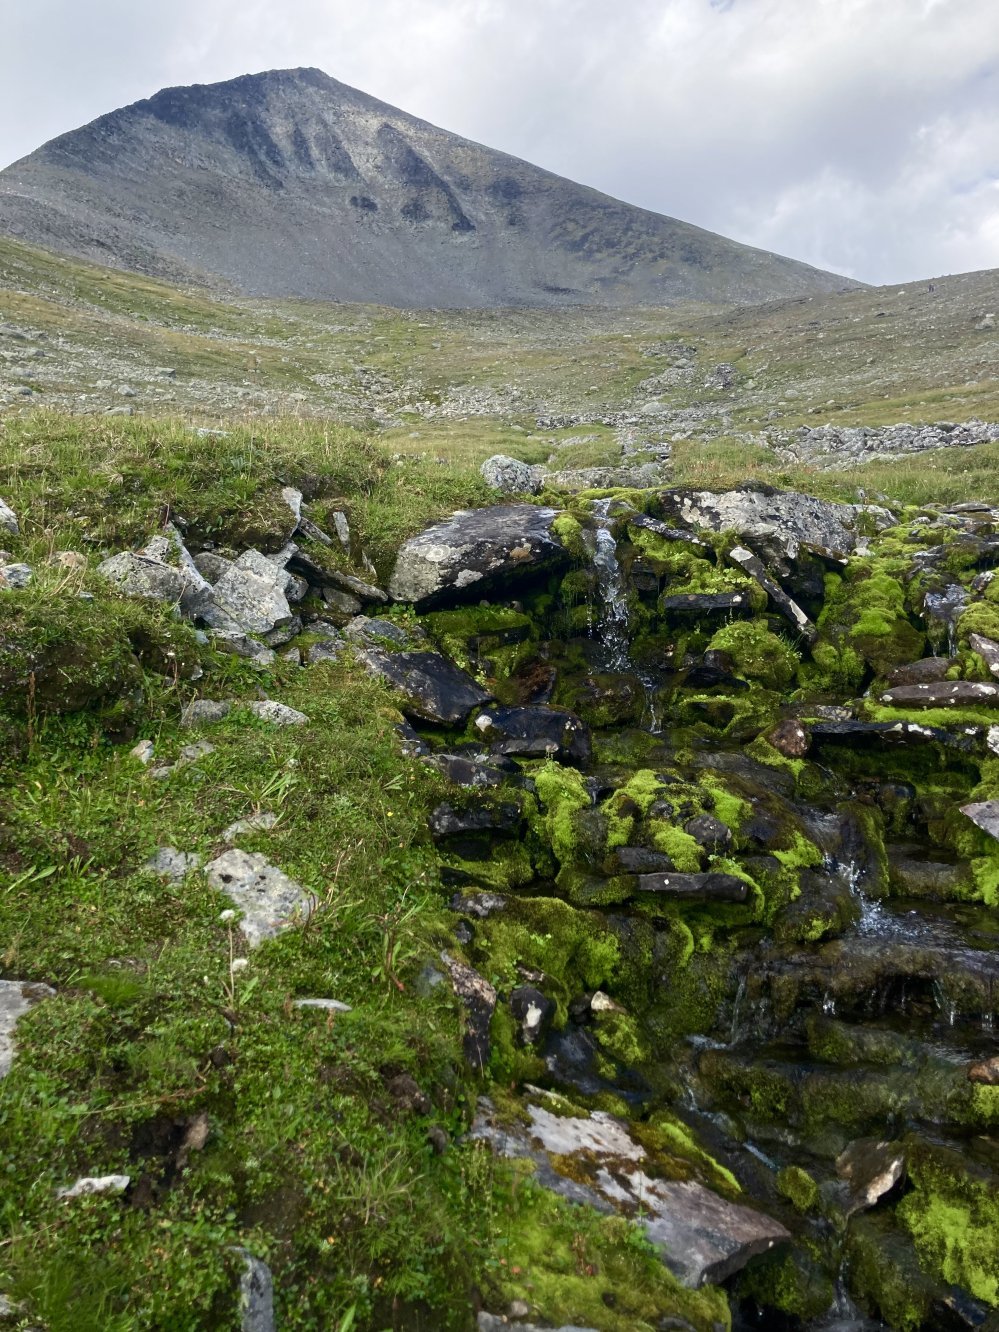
289,183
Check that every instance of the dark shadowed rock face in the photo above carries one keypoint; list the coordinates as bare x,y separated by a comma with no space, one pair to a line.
289,183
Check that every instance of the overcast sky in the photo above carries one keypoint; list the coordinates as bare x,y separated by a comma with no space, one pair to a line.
859,135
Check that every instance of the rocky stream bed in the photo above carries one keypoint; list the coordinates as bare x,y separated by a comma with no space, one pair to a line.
720,844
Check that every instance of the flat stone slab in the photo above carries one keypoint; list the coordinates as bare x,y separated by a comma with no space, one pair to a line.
16,998
711,887
704,603
701,1236
987,650
892,733
172,864
944,694
536,731
434,689
269,900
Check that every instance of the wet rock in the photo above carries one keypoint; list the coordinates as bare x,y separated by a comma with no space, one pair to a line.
701,1237
986,1072
90,1185
609,699
8,519
928,670
915,876
433,688
709,887
16,999
536,732
985,815
870,1169
533,1012
790,738
446,821
511,476
891,733
709,832
947,694
704,603
172,864
987,650
474,552
479,1000
267,897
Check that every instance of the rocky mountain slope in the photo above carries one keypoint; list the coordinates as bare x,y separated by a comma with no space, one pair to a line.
289,183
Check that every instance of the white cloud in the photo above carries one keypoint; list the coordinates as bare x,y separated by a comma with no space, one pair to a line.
856,134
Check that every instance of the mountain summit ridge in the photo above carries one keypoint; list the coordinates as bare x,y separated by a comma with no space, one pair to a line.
289,183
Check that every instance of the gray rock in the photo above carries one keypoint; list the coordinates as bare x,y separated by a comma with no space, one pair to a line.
172,864
143,752
710,887
205,711
256,1296
356,586
262,822
511,476
475,551
89,1185
242,645
278,714
701,1237
573,480
325,650
15,575
344,603
782,522
269,900
324,1005
376,632
533,1013
536,731
138,575
433,688
487,1322
792,612
211,566
16,998
252,591
8,519
985,815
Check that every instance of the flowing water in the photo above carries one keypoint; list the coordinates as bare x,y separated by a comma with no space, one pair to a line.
613,620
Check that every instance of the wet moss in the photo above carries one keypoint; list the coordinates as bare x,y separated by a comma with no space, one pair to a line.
563,794
798,1187
787,1281
568,530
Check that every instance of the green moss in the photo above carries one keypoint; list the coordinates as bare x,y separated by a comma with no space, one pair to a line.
787,1281
865,615
563,793
799,1188
685,853
757,654
953,1218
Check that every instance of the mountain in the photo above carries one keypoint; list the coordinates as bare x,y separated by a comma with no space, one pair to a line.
289,183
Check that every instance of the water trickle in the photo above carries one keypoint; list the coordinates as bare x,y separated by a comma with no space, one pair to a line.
613,620
740,993
943,610
874,919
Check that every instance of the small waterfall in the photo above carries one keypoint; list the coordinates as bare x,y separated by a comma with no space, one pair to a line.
942,610
613,622
874,919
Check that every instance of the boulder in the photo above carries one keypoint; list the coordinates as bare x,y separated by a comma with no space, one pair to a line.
8,519
15,575
461,770
138,575
987,650
256,1295
510,476
536,731
475,552
709,832
266,896
870,1169
16,999
790,738
928,670
985,1072
278,714
433,688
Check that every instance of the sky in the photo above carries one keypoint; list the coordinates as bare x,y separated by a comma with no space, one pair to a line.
861,136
